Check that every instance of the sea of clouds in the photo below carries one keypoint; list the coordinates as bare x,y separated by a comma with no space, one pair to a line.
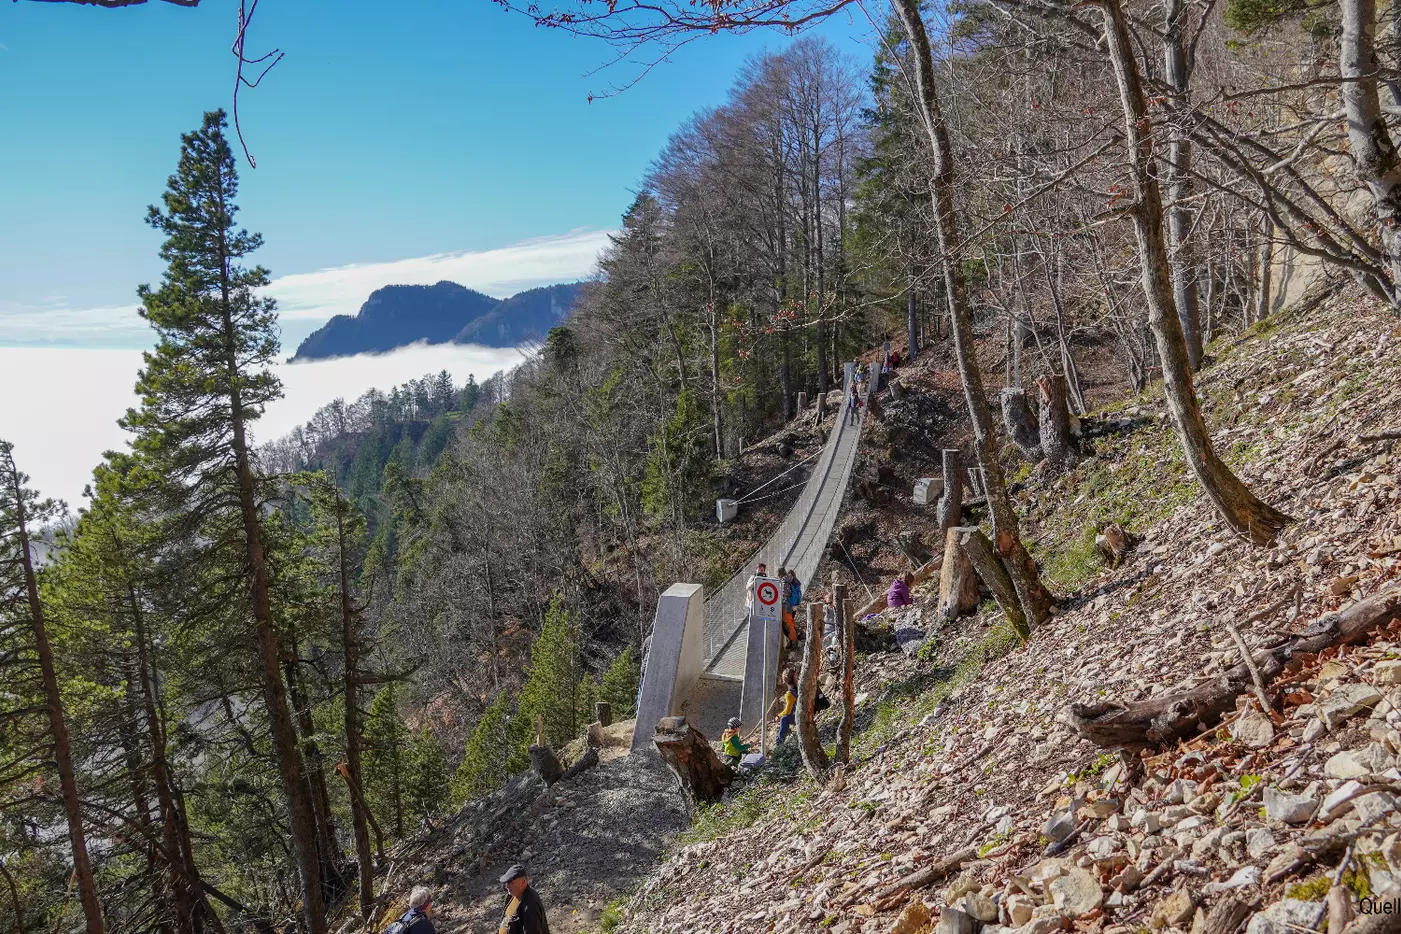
63,403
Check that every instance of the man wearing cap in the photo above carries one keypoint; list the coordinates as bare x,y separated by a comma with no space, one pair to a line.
525,914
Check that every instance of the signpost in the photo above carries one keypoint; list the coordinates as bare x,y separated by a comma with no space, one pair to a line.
766,612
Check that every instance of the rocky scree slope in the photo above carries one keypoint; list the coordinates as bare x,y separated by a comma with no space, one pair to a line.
971,805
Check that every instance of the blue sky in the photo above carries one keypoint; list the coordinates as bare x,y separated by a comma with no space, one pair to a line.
388,133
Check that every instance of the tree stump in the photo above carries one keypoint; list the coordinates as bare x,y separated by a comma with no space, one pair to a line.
950,507
700,773
603,713
814,756
1021,423
545,764
1055,422
985,560
1112,543
958,584
802,402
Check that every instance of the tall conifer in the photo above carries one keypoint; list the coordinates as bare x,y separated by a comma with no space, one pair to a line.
202,385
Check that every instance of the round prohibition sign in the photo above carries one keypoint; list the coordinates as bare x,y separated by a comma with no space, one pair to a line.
767,592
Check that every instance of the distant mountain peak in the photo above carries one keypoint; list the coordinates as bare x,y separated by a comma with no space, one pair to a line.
398,315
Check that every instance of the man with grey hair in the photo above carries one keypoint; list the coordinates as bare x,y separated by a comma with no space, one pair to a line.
418,919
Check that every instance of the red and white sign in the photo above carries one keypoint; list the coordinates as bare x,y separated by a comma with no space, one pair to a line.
767,592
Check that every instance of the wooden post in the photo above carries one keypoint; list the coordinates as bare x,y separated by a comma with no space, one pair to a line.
846,625
958,584
977,550
1055,421
603,713
814,756
802,402
699,772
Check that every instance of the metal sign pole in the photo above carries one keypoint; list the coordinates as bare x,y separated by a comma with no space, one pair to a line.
764,716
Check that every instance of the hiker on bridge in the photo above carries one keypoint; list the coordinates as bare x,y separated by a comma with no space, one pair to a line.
789,581
762,570
525,913
853,406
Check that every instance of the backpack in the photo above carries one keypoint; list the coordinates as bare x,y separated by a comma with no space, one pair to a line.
405,923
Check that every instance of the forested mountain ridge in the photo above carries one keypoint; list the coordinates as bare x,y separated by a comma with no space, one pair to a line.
398,315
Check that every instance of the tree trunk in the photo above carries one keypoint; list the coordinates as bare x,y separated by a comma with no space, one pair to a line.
1166,717
1242,510
286,750
1262,296
1035,599
911,323
700,773
58,724
15,904
350,699
949,512
958,585
1177,69
846,629
974,545
603,713
1369,139
1021,424
1055,422
814,756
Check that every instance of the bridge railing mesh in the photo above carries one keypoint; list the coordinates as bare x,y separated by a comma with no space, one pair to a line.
797,543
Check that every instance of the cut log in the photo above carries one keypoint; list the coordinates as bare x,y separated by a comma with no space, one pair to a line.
603,713
814,756
896,894
984,558
1021,423
1163,719
958,584
545,764
587,761
1055,422
699,772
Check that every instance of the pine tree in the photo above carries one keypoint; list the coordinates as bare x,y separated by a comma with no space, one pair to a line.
29,667
200,388
619,685
553,677
426,777
386,742
495,751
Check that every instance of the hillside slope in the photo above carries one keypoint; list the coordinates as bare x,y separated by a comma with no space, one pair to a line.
968,748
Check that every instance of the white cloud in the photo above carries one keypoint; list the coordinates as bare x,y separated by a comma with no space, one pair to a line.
316,296
65,402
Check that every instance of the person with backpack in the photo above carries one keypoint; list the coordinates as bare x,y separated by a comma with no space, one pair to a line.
525,913
733,747
418,919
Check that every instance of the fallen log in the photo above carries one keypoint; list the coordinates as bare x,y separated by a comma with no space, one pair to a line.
1170,716
544,763
587,761
925,877
993,572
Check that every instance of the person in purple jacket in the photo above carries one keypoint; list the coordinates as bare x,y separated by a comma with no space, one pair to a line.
899,593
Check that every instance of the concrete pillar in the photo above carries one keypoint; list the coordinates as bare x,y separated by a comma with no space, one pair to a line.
759,685
674,661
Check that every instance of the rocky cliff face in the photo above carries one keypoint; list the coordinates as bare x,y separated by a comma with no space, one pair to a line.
399,315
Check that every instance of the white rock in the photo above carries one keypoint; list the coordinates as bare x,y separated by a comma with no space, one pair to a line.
1076,893
980,906
953,921
1285,916
1340,801
1253,729
1291,809
1259,842
1388,672
1347,701
1372,808
1244,877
